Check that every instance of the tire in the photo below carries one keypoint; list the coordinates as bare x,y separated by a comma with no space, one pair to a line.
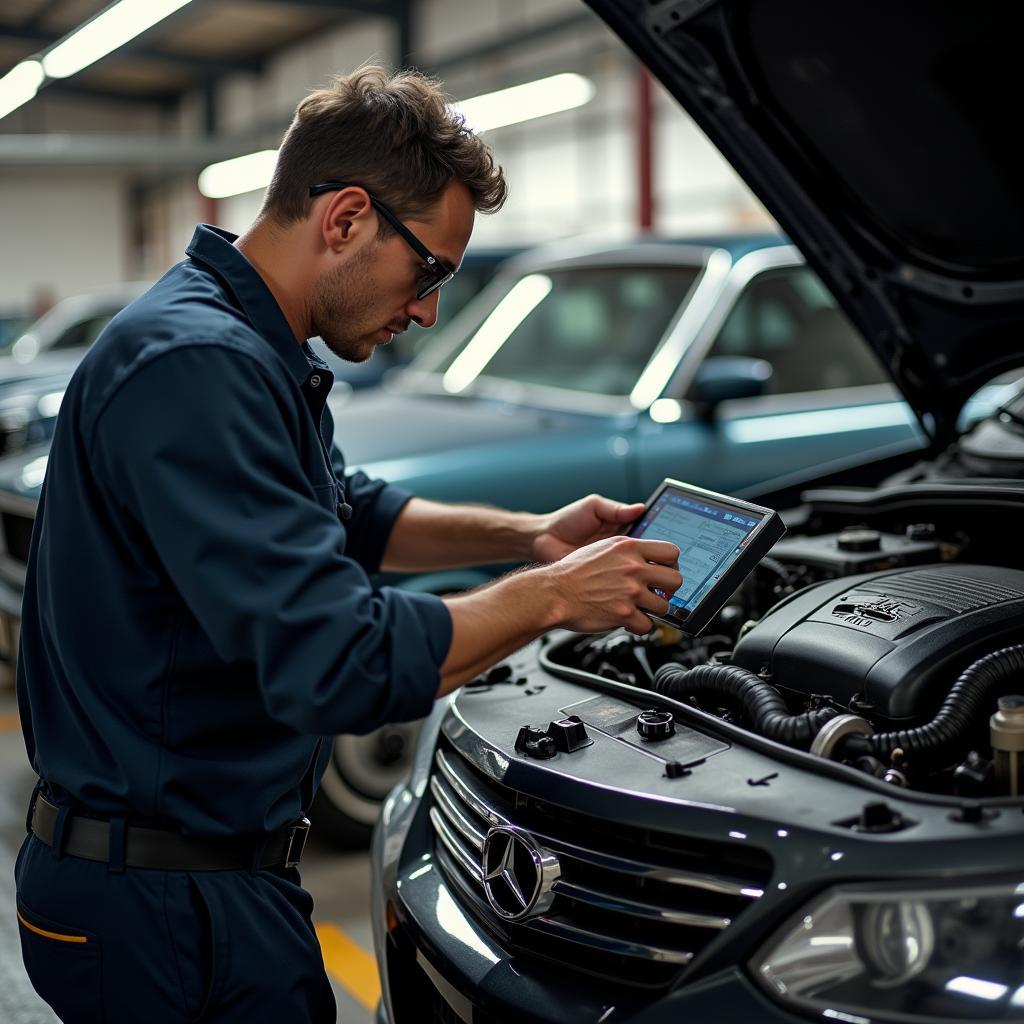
360,774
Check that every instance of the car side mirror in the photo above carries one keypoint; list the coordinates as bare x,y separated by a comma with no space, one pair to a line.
725,378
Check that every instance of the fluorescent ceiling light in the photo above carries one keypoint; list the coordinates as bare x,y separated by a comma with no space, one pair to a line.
19,85
240,174
525,102
492,110
111,28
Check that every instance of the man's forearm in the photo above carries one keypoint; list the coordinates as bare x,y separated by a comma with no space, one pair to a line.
490,623
428,535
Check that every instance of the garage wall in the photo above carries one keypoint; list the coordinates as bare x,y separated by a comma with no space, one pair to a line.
62,235
71,226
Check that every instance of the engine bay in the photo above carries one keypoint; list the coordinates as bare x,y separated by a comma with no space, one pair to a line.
884,632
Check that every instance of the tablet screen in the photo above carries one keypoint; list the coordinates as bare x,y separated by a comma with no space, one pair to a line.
711,536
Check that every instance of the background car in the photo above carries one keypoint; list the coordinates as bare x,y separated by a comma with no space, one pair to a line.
587,367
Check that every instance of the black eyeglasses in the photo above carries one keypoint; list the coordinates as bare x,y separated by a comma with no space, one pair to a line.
435,274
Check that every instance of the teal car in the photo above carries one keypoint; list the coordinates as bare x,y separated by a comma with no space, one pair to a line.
606,368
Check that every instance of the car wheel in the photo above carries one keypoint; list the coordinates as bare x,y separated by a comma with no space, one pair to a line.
361,772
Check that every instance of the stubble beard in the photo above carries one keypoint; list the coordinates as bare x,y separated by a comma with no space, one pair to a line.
339,309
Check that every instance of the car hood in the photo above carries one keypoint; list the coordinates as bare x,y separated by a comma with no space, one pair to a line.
375,425
882,138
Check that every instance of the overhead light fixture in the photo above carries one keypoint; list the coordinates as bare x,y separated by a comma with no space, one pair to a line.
240,174
491,110
111,28
525,102
19,85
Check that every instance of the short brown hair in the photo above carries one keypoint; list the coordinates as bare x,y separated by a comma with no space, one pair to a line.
392,133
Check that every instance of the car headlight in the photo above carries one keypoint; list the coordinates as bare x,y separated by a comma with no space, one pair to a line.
860,953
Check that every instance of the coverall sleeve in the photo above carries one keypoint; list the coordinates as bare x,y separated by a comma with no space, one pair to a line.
201,446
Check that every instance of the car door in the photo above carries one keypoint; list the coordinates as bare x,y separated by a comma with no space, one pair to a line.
827,400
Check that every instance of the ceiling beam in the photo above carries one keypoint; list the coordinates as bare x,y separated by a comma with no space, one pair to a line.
67,150
39,18
342,8
67,90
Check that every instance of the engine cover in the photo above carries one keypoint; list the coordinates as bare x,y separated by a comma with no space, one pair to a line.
894,639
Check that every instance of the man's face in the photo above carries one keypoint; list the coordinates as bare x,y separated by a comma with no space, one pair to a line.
369,297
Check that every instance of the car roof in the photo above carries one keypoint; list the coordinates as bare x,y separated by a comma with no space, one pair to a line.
672,249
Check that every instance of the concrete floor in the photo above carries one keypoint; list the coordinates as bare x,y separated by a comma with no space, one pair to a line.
340,883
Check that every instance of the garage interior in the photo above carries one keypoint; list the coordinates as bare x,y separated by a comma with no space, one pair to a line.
632,315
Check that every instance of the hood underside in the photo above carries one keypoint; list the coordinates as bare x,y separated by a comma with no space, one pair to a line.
883,138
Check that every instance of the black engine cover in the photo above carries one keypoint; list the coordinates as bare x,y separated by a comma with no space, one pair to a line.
894,639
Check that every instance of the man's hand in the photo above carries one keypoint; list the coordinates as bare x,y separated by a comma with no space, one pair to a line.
608,583
612,582
590,519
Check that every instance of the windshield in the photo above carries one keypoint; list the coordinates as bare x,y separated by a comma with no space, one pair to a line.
589,329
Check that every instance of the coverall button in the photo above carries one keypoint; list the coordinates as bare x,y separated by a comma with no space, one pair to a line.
315,380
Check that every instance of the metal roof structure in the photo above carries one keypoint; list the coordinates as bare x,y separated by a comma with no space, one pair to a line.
188,49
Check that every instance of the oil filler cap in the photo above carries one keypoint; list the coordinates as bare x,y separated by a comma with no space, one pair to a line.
655,725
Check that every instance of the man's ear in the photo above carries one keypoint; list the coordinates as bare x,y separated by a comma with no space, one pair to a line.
348,217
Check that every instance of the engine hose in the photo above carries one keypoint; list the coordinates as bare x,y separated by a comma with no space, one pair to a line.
744,691
968,700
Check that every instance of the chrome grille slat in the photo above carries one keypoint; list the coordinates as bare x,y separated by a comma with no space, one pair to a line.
445,803
470,791
612,862
619,904
454,847
609,897
609,943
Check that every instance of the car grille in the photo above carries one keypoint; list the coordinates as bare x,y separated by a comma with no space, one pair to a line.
629,903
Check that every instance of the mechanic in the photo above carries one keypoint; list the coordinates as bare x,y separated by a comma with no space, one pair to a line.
198,616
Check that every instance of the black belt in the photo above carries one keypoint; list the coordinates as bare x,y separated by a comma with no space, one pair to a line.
164,850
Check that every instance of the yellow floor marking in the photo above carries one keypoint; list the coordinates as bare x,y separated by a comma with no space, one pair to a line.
350,964
9,723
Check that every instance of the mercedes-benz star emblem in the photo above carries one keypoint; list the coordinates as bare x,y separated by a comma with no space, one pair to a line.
518,873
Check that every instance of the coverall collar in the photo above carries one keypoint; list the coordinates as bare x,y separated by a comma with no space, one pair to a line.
214,247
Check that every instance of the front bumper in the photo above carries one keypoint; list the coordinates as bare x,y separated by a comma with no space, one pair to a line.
439,967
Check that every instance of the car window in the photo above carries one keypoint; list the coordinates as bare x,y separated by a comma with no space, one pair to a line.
588,329
788,318
81,334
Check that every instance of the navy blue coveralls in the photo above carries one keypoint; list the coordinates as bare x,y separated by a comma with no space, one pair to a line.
198,622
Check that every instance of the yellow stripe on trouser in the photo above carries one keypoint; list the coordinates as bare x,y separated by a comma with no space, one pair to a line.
350,964
51,935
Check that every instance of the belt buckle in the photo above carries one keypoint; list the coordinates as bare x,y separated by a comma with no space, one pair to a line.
296,842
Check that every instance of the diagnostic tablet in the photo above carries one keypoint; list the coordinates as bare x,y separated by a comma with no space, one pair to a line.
720,540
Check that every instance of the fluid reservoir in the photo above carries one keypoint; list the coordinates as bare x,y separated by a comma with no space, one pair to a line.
1007,727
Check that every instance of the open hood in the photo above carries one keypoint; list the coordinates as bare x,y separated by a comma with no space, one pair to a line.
883,137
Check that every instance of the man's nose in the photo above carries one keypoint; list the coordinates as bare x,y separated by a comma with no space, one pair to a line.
424,311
